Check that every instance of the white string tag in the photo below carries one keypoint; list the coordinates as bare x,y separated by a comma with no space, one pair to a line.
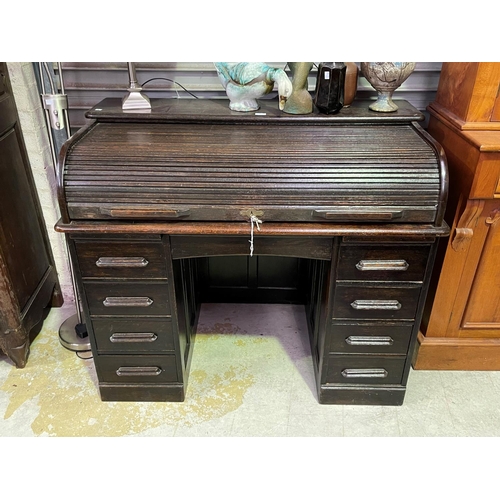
253,220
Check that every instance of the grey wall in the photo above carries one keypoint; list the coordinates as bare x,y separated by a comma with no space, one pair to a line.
88,83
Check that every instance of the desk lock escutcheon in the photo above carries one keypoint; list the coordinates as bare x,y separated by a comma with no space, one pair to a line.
248,213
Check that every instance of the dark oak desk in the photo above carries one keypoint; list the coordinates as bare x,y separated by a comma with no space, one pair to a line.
148,199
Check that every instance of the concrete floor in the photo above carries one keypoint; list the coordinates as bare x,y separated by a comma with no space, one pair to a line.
251,375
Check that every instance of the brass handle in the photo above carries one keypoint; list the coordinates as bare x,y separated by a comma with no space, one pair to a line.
364,372
384,305
132,371
127,302
144,212
121,262
124,338
347,215
382,265
368,340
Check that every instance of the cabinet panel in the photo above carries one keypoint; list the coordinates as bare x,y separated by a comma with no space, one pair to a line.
27,263
495,116
466,301
28,279
251,279
461,327
483,303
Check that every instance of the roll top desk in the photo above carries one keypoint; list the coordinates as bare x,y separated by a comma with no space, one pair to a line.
147,197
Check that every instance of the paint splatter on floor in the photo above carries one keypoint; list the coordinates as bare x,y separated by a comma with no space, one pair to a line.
247,362
64,389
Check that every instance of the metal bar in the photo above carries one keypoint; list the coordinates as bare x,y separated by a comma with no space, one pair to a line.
364,372
127,302
121,262
125,338
132,371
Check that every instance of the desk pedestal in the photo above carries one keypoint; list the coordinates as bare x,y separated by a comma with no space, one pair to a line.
362,297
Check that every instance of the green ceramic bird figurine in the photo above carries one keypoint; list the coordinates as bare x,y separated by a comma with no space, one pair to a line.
245,82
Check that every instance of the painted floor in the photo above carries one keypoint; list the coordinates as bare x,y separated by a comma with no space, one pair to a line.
251,375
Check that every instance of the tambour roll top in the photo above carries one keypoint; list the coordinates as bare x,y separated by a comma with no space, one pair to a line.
358,166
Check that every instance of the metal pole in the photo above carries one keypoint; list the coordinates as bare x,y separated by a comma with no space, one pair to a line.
66,110
68,335
47,118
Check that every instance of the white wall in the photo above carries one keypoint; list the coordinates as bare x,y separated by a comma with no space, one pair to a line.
32,118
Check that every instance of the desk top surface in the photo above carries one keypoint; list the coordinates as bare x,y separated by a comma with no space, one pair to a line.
217,110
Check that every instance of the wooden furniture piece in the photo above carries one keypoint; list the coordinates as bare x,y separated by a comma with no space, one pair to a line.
28,279
461,327
146,198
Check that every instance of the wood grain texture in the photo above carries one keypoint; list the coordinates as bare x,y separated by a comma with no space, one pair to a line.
376,231
471,354
468,94
123,334
28,278
352,258
370,337
456,86
351,207
183,169
90,252
461,327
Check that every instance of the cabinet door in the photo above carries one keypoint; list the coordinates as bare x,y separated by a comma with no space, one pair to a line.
468,298
28,279
482,311
21,236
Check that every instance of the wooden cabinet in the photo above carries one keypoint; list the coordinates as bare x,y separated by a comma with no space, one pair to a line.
353,203
28,279
461,327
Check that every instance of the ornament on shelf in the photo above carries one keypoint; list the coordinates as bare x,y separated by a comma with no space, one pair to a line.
385,78
245,82
330,82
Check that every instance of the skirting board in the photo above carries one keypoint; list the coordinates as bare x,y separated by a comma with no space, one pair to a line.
439,353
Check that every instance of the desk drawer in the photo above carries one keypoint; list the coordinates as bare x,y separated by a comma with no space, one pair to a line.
383,263
365,370
144,335
375,302
137,369
371,338
116,259
122,299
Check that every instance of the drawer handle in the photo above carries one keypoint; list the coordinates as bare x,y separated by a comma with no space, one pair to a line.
123,338
121,262
368,340
349,215
127,302
383,305
364,372
382,265
133,371
144,212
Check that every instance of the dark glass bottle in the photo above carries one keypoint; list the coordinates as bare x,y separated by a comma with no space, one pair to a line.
329,96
